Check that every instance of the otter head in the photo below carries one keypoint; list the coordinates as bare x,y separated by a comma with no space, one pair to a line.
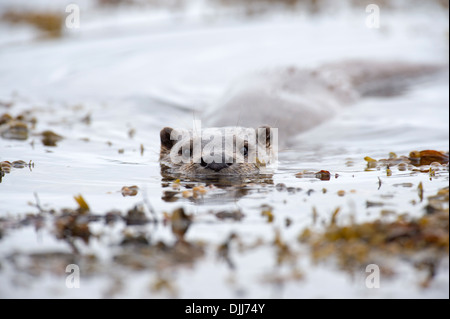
217,151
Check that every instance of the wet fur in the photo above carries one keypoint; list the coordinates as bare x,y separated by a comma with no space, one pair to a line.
295,100
193,168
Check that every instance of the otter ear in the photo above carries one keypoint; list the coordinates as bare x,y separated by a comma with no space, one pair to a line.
166,142
263,133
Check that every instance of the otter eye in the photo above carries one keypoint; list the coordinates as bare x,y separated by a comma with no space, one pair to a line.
185,152
244,150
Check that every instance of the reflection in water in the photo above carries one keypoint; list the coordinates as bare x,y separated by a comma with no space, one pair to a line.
216,190
344,215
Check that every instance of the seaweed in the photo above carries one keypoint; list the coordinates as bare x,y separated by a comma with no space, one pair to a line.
427,157
414,159
6,166
48,22
267,212
180,223
223,251
14,130
71,225
136,216
236,215
323,175
356,244
50,138
129,190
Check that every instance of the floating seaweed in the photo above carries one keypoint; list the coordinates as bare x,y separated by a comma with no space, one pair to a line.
283,251
180,222
7,166
236,215
223,251
427,157
129,190
50,138
139,239
322,175
267,212
83,207
48,22
356,244
170,196
14,130
341,192
136,216
415,158
71,225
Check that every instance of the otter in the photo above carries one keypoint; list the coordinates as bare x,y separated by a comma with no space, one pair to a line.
291,99
232,151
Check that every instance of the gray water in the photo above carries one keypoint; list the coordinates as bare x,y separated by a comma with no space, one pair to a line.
142,70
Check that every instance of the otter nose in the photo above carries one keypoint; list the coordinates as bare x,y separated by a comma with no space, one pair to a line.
215,166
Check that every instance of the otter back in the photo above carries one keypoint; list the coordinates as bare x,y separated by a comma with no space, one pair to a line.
295,100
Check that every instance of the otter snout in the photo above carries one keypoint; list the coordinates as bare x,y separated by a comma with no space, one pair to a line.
217,167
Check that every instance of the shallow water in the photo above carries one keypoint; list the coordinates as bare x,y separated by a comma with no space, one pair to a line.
152,74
